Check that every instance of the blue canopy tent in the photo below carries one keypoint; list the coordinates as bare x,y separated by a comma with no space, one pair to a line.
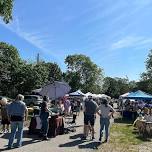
139,95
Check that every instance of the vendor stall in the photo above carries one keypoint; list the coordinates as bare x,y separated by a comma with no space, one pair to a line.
139,95
134,101
56,125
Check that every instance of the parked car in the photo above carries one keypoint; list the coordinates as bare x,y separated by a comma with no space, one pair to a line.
33,100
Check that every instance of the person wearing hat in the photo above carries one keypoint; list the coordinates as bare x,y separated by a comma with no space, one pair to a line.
105,111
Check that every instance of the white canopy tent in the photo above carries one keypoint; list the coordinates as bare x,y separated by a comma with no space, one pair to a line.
77,93
55,90
97,95
103,96
88,94
124,95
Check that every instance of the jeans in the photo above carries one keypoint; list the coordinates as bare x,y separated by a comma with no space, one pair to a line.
44,129
14,126
104,122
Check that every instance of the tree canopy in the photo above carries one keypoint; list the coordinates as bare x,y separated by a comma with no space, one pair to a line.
83,74
18,76
6,7
114,87
145,83
9,67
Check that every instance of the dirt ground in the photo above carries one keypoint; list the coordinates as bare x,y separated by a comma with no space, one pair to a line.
70,142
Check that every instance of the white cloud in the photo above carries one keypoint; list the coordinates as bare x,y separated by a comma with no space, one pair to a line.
131,41
37,39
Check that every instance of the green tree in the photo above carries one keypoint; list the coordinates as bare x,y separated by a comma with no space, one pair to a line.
114,87
133,86
18,76
33,76
83,74
6,7
74,80
55,73
145,83
10,62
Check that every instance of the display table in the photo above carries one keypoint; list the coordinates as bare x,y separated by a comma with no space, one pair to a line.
56,125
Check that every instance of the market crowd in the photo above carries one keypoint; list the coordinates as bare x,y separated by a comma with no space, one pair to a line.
14,114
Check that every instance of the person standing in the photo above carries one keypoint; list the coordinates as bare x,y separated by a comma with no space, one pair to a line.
90,110
44,115
5,120
17,112
106,112
67,106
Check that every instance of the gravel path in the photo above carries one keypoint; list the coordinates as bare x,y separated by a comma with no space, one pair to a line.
68,142
63,143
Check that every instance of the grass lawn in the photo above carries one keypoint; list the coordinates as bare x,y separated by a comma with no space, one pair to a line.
124,138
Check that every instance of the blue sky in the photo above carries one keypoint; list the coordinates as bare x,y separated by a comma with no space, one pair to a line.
116,35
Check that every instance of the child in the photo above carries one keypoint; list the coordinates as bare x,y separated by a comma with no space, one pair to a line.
5,120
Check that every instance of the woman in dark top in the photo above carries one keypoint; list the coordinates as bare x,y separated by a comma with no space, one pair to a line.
44,119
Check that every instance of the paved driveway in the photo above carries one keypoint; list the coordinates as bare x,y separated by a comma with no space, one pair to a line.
63,143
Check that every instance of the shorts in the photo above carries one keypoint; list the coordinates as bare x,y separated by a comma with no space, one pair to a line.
5,121
89,119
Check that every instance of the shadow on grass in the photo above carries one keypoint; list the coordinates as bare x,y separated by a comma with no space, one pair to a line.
123,120
142,138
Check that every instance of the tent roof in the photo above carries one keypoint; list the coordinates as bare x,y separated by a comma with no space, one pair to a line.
55,90
77,93
124,95
103,96
138,95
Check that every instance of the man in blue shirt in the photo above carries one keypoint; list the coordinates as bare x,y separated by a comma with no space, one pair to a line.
17,112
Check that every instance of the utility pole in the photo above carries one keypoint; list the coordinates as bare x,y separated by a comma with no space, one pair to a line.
38,58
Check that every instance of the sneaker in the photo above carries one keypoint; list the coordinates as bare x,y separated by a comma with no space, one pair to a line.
9,147
45,138
18,146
